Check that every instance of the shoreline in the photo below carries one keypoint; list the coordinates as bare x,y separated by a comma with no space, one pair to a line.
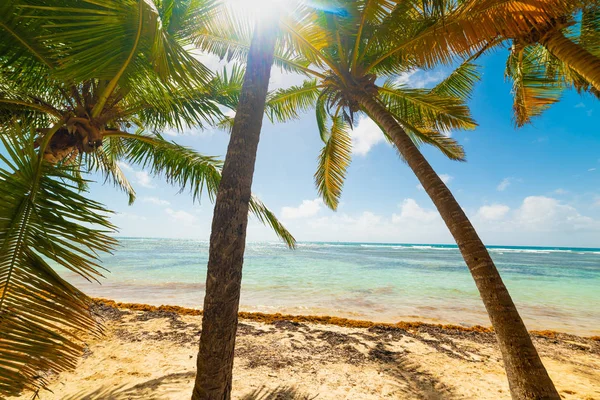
268,318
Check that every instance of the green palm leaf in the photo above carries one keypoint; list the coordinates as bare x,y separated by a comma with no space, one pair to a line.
105,160
286,104
267,217
459,83
589,36
425,107
448,146
334,160
43,216
533,90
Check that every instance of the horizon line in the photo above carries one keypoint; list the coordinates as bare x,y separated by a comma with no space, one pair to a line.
366,242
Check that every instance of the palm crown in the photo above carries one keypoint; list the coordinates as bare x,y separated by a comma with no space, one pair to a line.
542,67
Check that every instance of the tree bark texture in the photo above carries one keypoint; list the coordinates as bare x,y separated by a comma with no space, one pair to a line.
230,220
582,61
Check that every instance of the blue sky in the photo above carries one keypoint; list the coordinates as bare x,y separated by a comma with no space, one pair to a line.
538,185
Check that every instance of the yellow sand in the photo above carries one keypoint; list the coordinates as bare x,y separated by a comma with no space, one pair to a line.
152,355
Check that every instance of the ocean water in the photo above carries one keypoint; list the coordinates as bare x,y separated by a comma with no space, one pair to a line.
554,288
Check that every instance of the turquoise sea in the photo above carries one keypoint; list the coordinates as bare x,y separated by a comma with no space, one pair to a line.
554,288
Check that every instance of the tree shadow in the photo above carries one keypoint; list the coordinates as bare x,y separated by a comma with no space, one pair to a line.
144,390
279,393
147,391
418,383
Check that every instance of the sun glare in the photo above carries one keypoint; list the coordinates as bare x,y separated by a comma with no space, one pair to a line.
260,9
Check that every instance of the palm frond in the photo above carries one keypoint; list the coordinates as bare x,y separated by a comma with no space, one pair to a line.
286,104
533,90
589,36
115,41
444,143
306,36
459,83
160,106
466,30
179,165
228,36
105,160
43,217
267,217
426,108
20,44
373,13
333,162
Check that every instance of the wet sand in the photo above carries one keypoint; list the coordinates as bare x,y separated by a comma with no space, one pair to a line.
150,353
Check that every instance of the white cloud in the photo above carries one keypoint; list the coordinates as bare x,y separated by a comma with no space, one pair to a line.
444,177
580,105
538,220
417,78
411,211
365,135
143,179
404,78
560,191
493,212
124,166
502,186
412,224
129,216
308,208
181,216
540,213
155,201
591,169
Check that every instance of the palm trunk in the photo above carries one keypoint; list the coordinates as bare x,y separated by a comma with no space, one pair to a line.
230,219
527,376
578,58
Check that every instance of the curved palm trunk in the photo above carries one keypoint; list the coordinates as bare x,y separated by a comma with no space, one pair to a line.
582,61
230,219
527,376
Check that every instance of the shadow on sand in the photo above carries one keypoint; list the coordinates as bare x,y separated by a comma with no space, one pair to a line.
147,391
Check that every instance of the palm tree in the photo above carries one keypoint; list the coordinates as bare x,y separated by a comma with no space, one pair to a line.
555,46
347,50
69,91
230,220
541,71
573,40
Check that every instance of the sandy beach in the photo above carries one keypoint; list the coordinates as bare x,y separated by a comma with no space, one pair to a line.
151,354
